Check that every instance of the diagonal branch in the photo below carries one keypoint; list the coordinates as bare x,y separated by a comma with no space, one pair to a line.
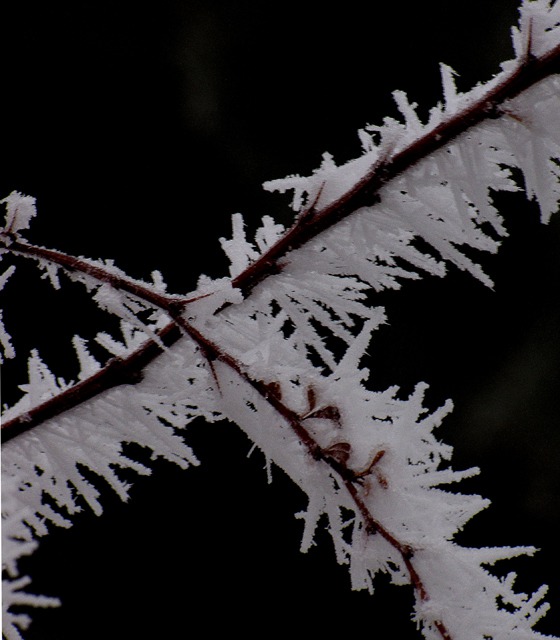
116,372
126,370
528,72
99,273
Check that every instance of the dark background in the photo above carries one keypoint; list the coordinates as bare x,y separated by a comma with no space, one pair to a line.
140,128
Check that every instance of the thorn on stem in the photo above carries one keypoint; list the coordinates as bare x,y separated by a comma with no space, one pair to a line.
210,357
311,398
528,56
371,527
367,470
407,551
122,373
273,389
311,210
327,413
340,452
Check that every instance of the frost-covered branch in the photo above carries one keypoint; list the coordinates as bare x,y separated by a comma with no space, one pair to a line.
126,371
393,157
278,348
119,370
398,154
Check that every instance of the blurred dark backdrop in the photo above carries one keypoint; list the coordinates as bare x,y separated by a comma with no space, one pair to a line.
140,128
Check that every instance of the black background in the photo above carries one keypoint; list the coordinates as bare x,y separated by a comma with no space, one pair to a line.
140,128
